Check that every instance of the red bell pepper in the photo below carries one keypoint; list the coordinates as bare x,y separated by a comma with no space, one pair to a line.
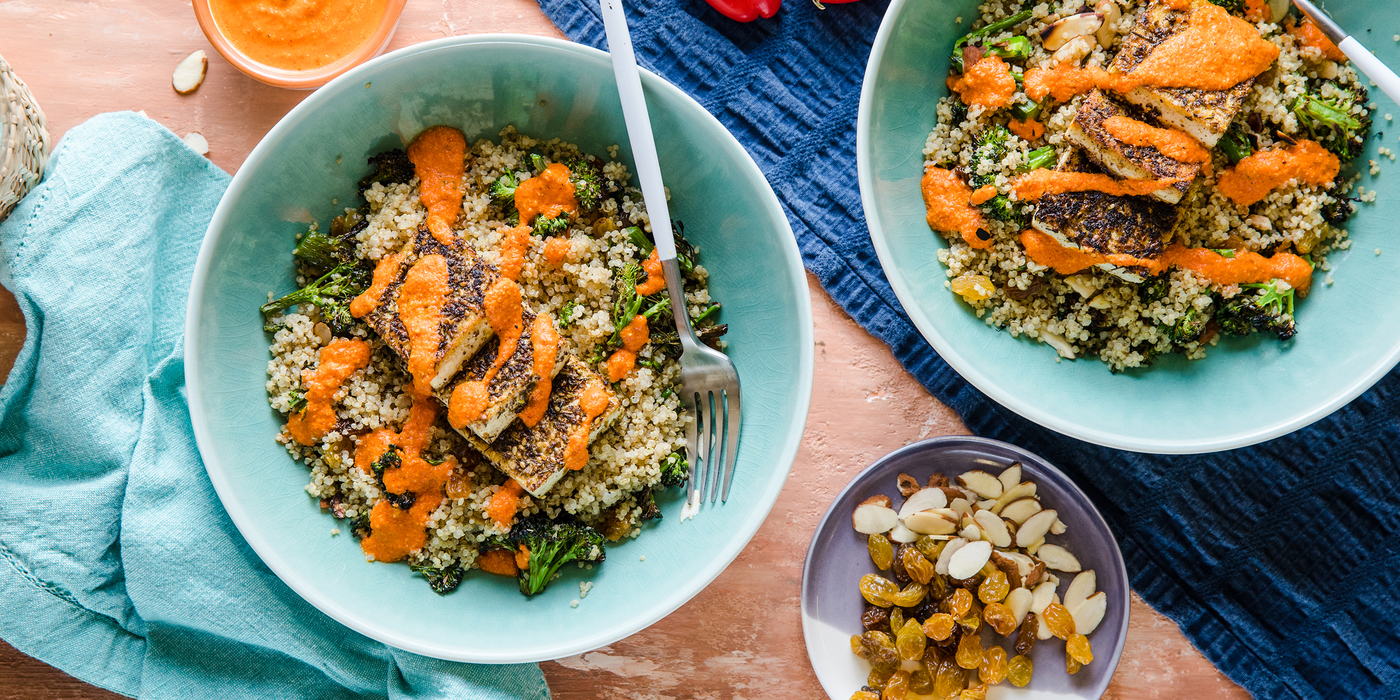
746,10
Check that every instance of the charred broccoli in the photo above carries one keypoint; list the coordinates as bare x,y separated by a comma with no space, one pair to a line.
503,189
331,293
588,183
552,226
674,470
1339,210
389,167
551,544
1236,143
1269,309
1331,122
1154,288
1235,6
442,581
1189,328
320,252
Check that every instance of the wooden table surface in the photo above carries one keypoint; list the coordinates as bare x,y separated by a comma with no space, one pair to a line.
741,636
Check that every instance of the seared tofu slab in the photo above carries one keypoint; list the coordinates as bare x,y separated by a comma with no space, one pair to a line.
510,388
1122,159
464,329
1204,114
534,457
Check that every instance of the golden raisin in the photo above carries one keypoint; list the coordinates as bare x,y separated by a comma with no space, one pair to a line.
974,692
920,682
973,287
972,621
881,551
1072,665
1059,620
878,590
918,568
912,595
881,653
949,679
911,641
1078,646
1019,670
878,677
929,547
1000,618
897,687
1025,641
959,603
864,695
858,647
993,668
896,622
994,588
969,652
939,626
874,618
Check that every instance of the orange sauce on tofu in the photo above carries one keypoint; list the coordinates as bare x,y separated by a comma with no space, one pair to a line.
420,302
503,504
624,359
594,402
948,204
544,343
656,279
1041,182
1244,267
1030,129
556,250
1310,36
338,361
439,160
987,83
395,532
384,272
1214,52
297,34
1252,179
1172,143
505,314
515,243
550,193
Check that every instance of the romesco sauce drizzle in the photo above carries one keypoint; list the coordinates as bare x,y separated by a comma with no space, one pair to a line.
544,343
1254,177
297,34
515,242
656,279
947,201
384,272
395,532
1308,35
1030,129
339,360
1041,182
624,359
593,401
987,83
1173,143
556,250
420,302
439,155
550,193
505,313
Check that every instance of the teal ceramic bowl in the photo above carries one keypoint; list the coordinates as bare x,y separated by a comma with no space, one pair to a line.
313,157
1245,391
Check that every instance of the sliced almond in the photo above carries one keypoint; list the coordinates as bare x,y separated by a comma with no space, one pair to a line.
969,559
873,518
189,72
951,493
1019,510
1051,577
1058,558
1062,32
879,500
903,535
1057,527
940,567
923,499
1033,547
1024,489
970,532
1089,613
930,522
1110,11
961,505
1019,600
197,143
992,527
1042,595
1035,527
1080,589
986,505
984,484
1010,477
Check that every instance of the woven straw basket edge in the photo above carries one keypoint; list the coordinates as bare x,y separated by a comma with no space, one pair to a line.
24,140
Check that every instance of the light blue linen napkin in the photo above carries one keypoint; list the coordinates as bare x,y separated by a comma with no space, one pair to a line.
117,562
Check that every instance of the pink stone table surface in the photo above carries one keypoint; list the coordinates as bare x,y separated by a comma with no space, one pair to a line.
742,636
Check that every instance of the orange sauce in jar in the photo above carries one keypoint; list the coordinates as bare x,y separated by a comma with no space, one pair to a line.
505,314
339,360
947,201
634,337
656,279
550,193
1041,182
988,83
1252,179
439,160
544,343
297,34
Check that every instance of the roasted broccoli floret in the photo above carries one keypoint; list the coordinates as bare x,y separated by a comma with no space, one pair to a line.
990,150
1267,309
537,162
296,400
331,293
552,226
647,502
1331,122
1338,211
588,183
674,470
1154,288
566,314
1236,143
1189,328
1016,48
550,544
389,167
320,252
628,304
442,581
503,189
1235,6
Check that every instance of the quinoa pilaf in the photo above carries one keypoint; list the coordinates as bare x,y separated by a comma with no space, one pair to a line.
1153,275
433,498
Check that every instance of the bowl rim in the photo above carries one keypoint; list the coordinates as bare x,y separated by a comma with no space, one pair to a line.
969,371
299,79
287,573
952,441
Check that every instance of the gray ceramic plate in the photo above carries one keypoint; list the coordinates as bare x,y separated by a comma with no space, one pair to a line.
837,558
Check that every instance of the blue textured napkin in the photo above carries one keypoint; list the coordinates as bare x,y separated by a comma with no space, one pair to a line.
117,562
1275,560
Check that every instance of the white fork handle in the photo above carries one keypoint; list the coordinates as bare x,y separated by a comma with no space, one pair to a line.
1378,72
634,112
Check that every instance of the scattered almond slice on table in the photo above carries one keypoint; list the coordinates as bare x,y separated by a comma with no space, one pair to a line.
949,547
197,142
190,72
